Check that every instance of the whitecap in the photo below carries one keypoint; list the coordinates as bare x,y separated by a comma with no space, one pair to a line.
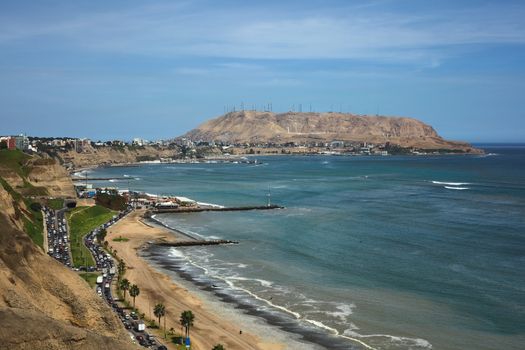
450,183
177,254
345,310
456,188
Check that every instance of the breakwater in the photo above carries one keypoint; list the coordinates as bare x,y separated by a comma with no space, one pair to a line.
201,209
196,243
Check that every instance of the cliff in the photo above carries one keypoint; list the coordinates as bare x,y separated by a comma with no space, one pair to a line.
35,175
96,156
267,127
43,305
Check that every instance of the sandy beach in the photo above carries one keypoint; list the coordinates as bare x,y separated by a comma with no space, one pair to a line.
210,328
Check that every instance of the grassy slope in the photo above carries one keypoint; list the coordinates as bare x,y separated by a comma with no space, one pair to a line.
56,203
14,161
34,225
90,278
81,221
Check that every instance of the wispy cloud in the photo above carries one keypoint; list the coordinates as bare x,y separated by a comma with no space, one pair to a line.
273,32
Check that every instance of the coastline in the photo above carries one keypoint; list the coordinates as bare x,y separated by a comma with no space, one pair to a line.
210,327
280,321
236,157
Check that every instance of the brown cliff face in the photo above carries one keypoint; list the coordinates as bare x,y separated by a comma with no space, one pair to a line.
114,155
44,305
264,127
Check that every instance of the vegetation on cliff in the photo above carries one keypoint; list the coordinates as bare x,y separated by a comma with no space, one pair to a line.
81,221
38,293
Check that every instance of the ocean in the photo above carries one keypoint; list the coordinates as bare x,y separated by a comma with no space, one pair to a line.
396,252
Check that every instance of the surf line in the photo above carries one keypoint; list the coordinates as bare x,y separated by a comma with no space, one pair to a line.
295,314
357,341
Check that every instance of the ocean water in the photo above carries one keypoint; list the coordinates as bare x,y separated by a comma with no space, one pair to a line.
370,252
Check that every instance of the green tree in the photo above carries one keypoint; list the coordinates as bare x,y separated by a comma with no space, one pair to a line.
186,320
124,286
159,311
218,347
134,292
121,268
101,235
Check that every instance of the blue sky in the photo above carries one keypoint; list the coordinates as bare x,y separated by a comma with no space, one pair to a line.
156,69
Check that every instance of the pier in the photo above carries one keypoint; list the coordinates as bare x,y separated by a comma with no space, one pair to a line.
201,209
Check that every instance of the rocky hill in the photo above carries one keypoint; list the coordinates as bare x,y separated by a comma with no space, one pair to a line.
43,305
267,127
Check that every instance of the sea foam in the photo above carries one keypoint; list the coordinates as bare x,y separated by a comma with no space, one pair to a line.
456,188
451,183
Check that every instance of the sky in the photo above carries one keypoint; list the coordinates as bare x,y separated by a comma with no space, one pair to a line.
157,69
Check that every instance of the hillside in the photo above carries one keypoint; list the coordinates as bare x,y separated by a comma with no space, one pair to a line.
43,305
35,175
115,155
267,127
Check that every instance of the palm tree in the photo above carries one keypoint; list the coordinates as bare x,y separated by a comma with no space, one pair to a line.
186,320
134,291
124,286
121,268
159,310
218,347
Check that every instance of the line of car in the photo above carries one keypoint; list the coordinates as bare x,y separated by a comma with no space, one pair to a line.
57,235
58,248
106,263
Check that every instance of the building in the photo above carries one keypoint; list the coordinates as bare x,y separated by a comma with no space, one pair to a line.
22,142
138,142
10,142
337,144
81,145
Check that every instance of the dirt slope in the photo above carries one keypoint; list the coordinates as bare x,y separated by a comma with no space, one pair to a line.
44,305
113,155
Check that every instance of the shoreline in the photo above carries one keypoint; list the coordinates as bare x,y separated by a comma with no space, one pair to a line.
249,155
210,327
307,337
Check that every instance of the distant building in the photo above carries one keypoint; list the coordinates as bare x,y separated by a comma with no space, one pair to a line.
365,149
80,145
337,144
139,142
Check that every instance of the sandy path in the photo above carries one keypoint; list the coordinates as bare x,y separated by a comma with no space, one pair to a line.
210,328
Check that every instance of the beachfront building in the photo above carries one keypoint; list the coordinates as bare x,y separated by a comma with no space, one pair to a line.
185,202
167,205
